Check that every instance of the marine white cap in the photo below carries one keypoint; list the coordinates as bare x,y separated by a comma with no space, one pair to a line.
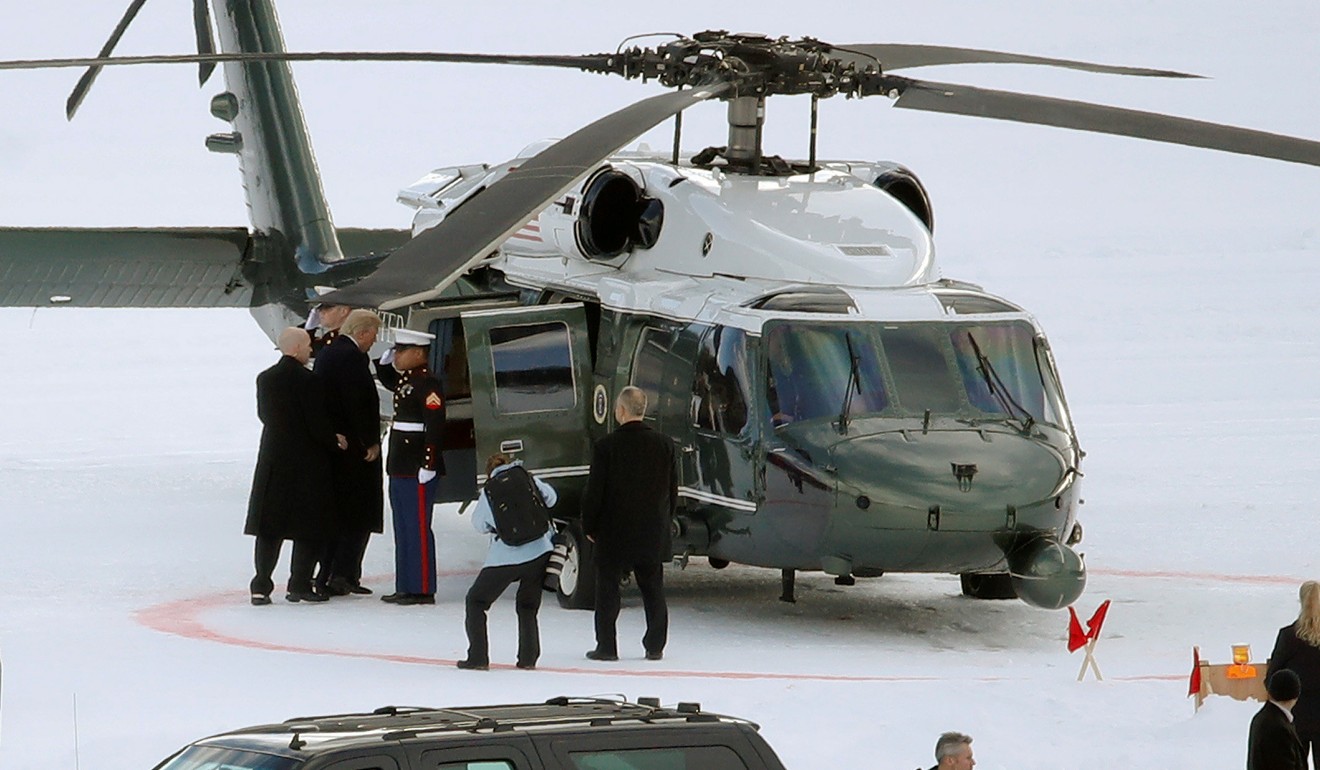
411,337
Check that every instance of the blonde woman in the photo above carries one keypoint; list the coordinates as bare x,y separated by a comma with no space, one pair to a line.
1298,649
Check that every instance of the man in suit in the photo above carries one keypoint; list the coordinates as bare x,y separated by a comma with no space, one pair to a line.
359,501
1272,742
291,493
627,511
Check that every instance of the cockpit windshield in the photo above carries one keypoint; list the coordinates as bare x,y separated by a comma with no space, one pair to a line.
963,370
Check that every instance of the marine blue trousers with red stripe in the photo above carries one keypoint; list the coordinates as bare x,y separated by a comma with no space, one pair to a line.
414,543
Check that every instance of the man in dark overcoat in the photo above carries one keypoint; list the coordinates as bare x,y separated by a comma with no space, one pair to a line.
291,493
627,511
354,407
1272,741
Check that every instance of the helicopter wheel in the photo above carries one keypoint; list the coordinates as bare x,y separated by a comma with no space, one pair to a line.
577,581
717,563
993,586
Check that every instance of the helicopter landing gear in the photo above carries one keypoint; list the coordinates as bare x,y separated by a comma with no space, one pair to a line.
716,563
577,580
998,585
845,580
787,579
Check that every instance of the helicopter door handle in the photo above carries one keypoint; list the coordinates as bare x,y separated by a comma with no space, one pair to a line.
511,446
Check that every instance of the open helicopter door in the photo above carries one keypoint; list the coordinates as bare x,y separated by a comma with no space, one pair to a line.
530,369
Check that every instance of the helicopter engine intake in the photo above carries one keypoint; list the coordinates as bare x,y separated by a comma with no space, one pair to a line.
616,216
900,182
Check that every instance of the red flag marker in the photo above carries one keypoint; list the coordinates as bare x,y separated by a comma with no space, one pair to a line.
1076,636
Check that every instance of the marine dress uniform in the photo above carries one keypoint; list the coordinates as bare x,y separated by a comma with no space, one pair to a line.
414,464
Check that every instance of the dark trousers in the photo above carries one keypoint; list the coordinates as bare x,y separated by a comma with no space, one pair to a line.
342,558
651,581
267,555
414,542
489,585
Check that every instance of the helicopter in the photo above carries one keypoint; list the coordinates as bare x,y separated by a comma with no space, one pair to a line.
837,404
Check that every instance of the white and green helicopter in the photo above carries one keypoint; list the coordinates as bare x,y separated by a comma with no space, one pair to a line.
837,404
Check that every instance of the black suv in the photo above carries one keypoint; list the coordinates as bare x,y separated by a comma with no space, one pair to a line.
560,734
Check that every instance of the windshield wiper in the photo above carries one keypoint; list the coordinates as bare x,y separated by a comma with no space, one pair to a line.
1001,393
854,383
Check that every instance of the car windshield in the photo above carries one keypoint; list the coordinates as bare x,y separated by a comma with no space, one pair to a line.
964,370
217,758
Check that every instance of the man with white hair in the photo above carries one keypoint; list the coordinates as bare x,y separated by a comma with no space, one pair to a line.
953,751
627,511
359,502
291,493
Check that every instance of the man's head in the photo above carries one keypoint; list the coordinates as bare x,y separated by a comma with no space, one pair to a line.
411,348
630,405
1284,687
295,343
333,316
362,326
953,751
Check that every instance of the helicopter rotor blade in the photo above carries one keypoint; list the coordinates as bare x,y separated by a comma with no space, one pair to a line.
589,62
423,267
85,82
1083,116
894,56
205,39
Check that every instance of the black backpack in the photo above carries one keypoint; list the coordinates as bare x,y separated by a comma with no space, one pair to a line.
519,510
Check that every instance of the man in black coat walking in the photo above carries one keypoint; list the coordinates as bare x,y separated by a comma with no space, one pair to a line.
627,511
354,406
291,493
1272,742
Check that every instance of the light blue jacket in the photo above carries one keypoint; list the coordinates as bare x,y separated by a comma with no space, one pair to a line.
501,554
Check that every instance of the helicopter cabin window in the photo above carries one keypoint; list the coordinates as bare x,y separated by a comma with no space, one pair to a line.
821,371
719,386
533,366
654,367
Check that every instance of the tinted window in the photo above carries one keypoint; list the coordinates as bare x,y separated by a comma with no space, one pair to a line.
486,764
682,758
921,372
719,389
649,365
211,758
1010,367
811,369
533,368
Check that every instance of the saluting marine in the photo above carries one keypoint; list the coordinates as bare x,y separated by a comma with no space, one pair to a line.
413,464
323,325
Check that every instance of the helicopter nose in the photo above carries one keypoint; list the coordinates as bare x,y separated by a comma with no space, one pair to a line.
971,476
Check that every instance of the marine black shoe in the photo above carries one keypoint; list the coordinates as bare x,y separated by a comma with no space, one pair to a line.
358,588
655,655
601,655
392,598
260,600
526,666
472,665
305,596
410,599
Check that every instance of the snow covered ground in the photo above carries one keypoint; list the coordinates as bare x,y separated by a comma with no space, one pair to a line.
1176,286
